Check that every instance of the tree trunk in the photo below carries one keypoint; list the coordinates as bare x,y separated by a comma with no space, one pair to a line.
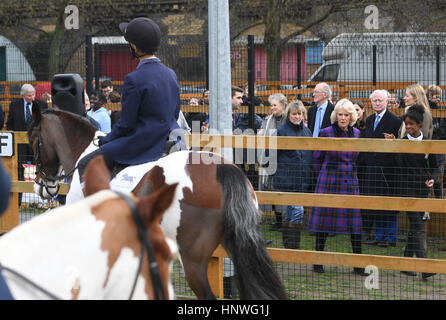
56,56
272,40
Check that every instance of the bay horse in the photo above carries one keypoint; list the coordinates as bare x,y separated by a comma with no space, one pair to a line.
91,249
213,204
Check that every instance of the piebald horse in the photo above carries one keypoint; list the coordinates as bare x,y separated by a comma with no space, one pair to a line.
213,204
91,249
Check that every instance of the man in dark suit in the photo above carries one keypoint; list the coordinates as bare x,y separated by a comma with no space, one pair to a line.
19,119
150,103
319,114
380,172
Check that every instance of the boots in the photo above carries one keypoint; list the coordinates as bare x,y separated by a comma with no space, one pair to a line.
321,237
277,226
291,235
420,249
408,252
318,268
357,249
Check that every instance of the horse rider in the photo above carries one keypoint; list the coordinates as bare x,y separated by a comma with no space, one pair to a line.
150,104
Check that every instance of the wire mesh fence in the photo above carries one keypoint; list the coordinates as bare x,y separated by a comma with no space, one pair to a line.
354,65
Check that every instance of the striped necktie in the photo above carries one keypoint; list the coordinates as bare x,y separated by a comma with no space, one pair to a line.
28,115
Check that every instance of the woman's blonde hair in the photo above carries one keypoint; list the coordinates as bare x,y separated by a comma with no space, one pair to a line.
280,97
417,91
296,105
347,105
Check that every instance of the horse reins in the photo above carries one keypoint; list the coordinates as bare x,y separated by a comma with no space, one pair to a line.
143,235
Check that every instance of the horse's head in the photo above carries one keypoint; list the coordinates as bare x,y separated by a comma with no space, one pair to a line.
57,139
45,156
151,209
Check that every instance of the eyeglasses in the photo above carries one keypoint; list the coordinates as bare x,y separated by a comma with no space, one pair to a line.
377,100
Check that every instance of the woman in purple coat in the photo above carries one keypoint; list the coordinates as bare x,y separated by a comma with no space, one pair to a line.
336,173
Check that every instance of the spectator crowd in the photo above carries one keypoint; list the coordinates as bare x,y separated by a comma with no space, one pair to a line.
333,172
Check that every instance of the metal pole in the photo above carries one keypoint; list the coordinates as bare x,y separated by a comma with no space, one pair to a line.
299,68
89,64
374,65
97,66
207,64
251,67
220,108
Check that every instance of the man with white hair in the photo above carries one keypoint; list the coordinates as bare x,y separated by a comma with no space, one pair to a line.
319,114
19,119
380,173
21,110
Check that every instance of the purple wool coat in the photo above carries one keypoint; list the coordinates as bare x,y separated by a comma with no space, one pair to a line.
336,173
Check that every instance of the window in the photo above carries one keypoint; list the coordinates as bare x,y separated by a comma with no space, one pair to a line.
328,73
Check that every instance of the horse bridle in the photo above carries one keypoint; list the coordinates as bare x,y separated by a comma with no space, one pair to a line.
39,168
144,237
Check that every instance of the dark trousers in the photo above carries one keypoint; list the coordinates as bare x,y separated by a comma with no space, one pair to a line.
415,243
83,163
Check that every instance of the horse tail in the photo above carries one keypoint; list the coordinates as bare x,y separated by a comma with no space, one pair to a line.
243,239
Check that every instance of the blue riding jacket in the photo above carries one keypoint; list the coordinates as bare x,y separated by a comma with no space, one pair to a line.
150,109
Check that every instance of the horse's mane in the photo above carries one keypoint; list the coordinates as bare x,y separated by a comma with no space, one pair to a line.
73,122
78,130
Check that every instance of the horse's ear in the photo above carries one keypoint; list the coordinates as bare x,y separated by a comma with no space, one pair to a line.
37,115
153,206
96,176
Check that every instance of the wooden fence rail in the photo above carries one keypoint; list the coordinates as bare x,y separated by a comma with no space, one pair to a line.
215,268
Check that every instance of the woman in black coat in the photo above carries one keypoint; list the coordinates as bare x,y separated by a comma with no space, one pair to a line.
293,172
417,173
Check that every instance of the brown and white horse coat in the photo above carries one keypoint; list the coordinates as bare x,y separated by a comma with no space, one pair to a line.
89,249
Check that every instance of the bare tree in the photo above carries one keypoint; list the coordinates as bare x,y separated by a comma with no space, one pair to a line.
95,17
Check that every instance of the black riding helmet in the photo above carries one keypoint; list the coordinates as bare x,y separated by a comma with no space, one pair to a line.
144,33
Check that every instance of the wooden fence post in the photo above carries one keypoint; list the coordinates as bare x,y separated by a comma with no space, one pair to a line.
10,218
215,275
